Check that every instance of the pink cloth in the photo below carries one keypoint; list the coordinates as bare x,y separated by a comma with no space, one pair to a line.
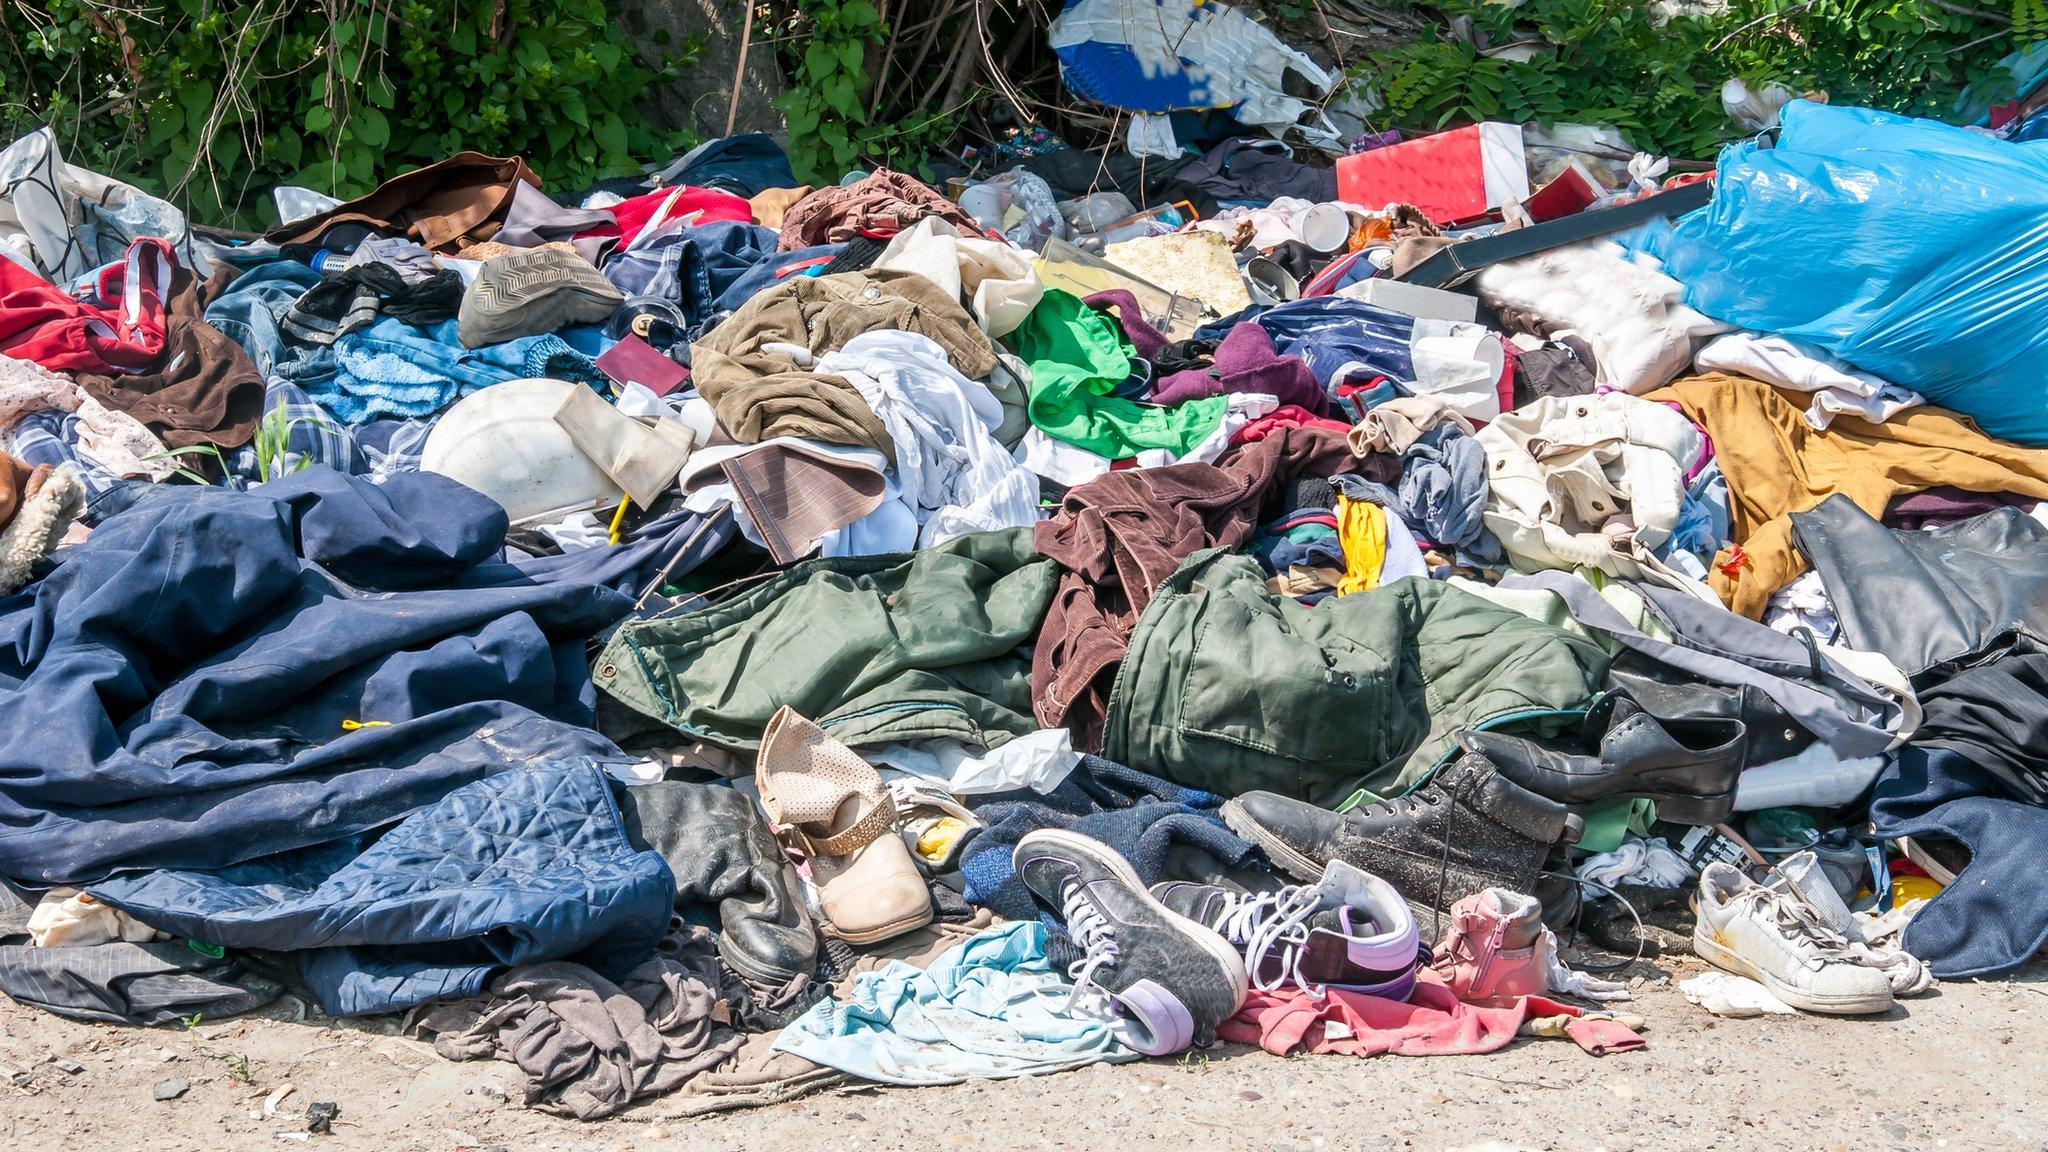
632,215
1290,416
119,330
1431,1022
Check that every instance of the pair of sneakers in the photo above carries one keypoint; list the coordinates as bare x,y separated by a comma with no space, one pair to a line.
1175,961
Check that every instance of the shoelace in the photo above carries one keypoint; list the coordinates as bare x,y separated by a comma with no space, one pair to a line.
1260,925
1093,932
1797,924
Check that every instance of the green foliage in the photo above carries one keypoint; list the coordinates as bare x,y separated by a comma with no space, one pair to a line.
212,102
1619,62
835,122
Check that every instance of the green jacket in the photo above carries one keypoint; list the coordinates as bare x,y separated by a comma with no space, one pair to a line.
876,649
1228,688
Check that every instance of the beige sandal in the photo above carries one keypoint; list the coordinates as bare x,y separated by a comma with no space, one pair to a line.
835,804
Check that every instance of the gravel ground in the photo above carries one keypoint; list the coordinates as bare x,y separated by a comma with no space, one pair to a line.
1961,1068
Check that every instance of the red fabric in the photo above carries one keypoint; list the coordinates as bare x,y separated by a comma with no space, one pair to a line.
632,215
1290,416
1432,1022
104,335
1603,1037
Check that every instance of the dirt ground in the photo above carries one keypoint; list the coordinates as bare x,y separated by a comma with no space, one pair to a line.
1961,1068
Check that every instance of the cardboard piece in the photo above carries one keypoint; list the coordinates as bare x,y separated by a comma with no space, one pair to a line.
642,459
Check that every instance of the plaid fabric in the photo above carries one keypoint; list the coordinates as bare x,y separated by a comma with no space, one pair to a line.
392,446
794,497
314,438
52,438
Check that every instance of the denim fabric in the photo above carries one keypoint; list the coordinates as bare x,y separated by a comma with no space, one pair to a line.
249,313
392,368
1142,817
768,273
745,165
184,674
526,866
692,266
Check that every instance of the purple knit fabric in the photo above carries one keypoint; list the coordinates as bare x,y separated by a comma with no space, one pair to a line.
1245,362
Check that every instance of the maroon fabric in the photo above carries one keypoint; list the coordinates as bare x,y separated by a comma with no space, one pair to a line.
1119,535
1146,340
1946,505
1246,362
885,202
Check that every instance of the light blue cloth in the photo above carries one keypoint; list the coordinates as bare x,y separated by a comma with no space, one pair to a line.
1702,529
388,368
391,368
987,1009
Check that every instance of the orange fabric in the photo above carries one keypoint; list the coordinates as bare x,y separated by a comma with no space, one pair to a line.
1777,464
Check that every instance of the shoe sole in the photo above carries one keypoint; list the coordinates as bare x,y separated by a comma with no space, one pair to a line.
1726,960
886,931
747,970
1116,865
1291,862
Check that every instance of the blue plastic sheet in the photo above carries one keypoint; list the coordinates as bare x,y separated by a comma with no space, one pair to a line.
1915,250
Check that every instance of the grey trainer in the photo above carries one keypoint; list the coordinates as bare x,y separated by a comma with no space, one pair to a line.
1171,980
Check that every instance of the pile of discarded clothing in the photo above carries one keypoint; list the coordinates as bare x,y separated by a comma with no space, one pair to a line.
713,638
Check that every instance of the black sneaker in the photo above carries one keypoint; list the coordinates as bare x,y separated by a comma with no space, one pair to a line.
1171,980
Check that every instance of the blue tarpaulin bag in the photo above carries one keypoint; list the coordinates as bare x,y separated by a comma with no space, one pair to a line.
1915,250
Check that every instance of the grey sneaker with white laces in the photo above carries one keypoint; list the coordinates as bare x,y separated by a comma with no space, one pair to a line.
1167,980
1350,930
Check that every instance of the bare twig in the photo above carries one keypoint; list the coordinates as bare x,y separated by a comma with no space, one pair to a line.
1766,18
1966,10
739,71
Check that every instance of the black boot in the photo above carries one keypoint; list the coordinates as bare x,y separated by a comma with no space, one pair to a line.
720,849
1683,755
1468,829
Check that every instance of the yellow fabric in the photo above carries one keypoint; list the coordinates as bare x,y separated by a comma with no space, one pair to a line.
1362,530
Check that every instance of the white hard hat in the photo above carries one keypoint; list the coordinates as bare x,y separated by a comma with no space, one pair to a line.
504,442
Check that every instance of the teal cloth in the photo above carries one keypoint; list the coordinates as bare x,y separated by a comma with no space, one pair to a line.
1077,355
988,1009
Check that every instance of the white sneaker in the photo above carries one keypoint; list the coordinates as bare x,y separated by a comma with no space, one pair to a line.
1801,878
1768,936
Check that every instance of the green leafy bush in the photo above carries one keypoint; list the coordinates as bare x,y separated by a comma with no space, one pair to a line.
1620,62
836,120
213,102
